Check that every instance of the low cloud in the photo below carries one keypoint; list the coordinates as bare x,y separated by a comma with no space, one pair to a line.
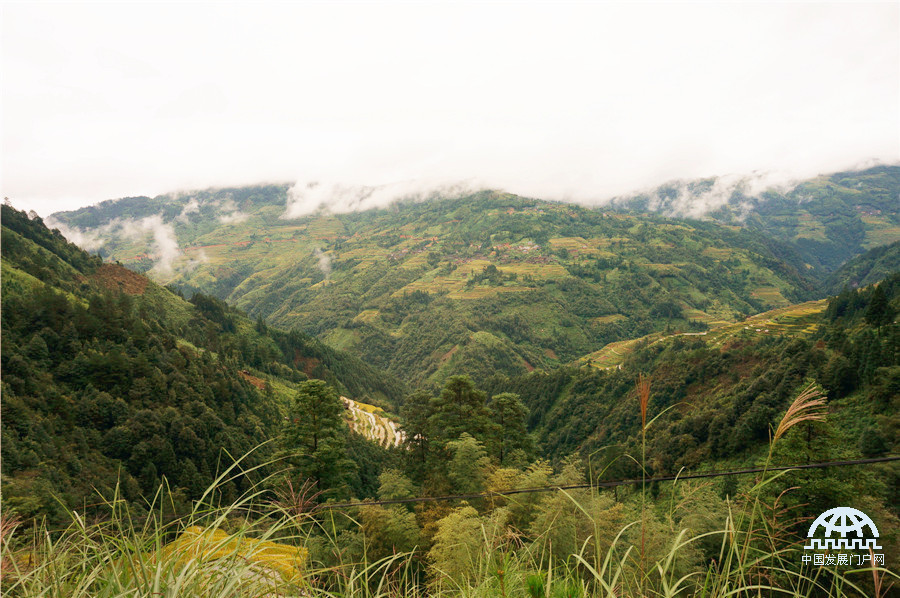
233,218
309,197
696,199
164,247
324,262
231,213
193,262
581,102
89,240
681,198
164,244
191,207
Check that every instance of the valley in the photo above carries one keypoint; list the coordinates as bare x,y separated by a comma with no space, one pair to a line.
488,343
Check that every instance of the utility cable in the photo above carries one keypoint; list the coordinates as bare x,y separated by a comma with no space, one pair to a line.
607,484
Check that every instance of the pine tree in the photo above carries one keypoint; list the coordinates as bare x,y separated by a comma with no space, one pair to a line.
879,312
316,436
508,415
459,408
416,411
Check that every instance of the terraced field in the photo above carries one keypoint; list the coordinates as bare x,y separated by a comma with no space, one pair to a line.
612,355
366,420
882,231
795,320
370,421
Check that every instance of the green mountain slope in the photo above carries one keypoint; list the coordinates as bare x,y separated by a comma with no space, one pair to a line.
109,379
829,219
718,395
800,319
866,269
483,283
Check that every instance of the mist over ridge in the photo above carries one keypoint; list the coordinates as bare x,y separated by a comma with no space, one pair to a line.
676,198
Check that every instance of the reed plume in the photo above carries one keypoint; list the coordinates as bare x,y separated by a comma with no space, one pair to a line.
808,406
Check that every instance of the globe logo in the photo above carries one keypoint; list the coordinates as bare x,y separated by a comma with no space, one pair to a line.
838,523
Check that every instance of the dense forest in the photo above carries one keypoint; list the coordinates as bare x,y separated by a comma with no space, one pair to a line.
112,383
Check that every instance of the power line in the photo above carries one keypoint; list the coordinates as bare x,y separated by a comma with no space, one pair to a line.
607,484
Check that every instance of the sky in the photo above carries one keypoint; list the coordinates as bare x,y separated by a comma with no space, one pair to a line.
580,102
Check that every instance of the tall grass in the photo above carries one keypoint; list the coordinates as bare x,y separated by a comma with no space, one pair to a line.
120,557
271,543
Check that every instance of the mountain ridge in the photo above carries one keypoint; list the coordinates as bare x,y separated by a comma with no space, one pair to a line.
829,218
517,283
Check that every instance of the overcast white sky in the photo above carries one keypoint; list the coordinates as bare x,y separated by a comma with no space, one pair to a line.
580,101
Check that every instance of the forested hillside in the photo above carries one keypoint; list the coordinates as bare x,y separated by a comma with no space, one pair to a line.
723,394
110,379
868,268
